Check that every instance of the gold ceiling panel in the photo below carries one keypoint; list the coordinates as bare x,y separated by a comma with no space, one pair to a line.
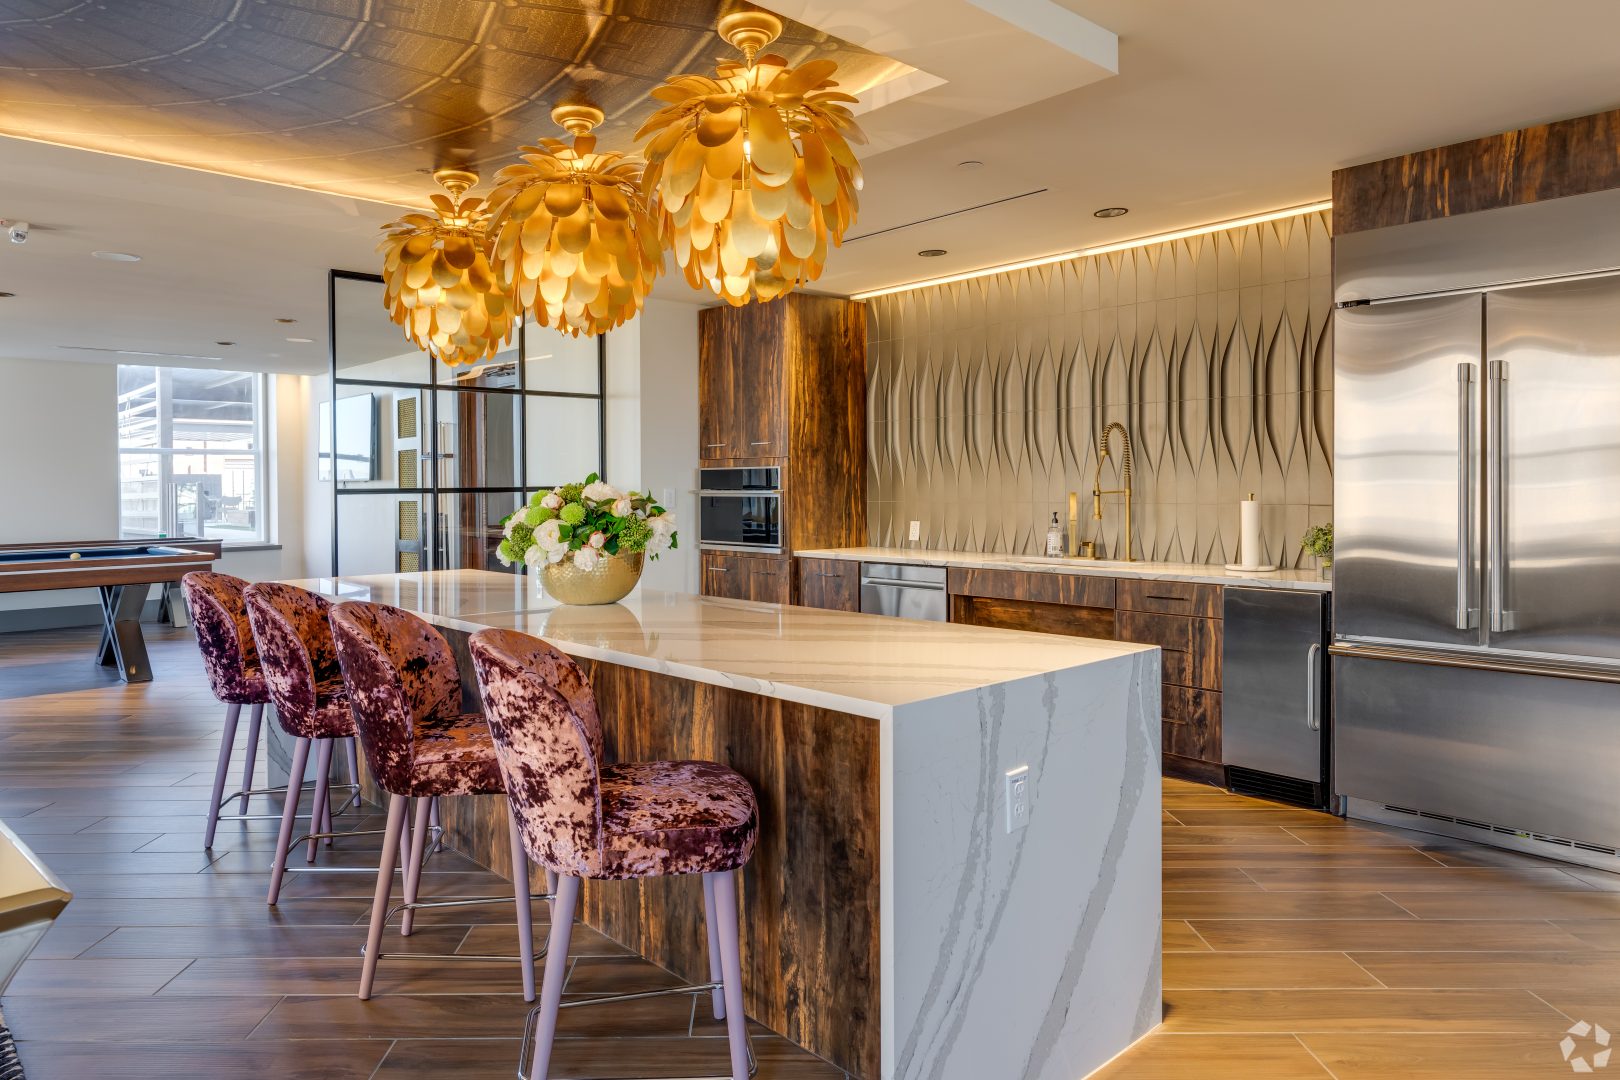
356,97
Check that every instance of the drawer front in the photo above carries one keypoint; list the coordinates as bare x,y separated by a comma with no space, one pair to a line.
1192,647
1170,597
1075,590
1192,723
833,584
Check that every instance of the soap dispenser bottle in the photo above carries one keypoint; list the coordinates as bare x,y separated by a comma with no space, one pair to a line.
1054,538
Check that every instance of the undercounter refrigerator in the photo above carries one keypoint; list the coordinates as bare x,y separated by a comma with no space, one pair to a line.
1476,609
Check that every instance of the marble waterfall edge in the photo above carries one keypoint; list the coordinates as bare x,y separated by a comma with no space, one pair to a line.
1035,954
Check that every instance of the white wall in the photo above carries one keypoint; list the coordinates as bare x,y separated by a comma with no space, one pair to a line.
59,468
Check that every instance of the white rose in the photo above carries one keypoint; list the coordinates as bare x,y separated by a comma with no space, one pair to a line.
510,524
549,534
665,521
534,556
555,555
621,506
585,558
657,544
598,539
598,491
552,501
500,557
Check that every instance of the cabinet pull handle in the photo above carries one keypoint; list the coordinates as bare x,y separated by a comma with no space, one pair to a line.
1465,494
719,569
762,442
1313,707
713,445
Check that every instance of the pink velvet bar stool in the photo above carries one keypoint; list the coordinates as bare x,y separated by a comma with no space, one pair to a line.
312,704
583,818
405,689
219,615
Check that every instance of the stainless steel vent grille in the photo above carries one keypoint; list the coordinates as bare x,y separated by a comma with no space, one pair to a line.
1504,830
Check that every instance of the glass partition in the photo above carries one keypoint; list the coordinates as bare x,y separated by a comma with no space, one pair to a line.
423,460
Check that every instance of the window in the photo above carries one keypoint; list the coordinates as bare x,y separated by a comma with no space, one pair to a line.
191,454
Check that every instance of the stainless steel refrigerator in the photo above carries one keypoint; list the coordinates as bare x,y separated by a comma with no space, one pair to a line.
1477,516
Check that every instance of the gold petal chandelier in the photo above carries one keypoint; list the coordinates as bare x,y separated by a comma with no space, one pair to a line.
752,169
749,177
574,244
437,281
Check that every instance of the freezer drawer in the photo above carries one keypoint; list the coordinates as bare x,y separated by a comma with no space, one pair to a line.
1532,753
1274,713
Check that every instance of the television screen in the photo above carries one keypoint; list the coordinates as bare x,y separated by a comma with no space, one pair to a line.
356,438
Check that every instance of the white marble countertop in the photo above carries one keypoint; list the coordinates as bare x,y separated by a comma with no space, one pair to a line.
862,664
1202,573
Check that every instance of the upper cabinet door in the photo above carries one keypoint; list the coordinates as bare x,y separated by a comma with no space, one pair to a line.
760,387
1553,468
1406,471
742,378
714,398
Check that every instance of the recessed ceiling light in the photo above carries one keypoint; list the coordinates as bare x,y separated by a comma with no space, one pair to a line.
116,256
286,320
931,253
224,343
6,295
1110,211
301,340
969,164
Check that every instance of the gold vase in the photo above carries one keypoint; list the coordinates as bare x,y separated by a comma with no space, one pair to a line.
609,582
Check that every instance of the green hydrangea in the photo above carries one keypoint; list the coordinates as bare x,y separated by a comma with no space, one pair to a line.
521,539
634,534
572,513
505,551
535,516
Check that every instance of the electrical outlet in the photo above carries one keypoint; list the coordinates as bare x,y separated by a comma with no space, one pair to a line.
915,532
1018,795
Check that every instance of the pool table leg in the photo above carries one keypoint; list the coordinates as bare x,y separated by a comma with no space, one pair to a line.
121,643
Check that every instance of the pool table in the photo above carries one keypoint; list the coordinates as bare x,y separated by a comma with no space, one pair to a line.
123,571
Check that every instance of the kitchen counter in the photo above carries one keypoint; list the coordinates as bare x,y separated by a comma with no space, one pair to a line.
894,923
1200,573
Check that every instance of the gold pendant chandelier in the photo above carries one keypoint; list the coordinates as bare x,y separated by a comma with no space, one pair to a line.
574,245
437,281
752,170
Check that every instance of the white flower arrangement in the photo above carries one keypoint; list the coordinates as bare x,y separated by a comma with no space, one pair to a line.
585,522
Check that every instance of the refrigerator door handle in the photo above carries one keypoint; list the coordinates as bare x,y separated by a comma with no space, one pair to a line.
1313,695
1496,506
1467,614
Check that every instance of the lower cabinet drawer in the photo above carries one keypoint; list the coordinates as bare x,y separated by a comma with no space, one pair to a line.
1192,722
1170,597
1192,646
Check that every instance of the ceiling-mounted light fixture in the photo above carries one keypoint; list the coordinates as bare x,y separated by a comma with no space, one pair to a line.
437,281
1110,211
752,170
573,242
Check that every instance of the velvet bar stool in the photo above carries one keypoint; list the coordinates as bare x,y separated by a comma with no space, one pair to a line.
312,705
405,688
584,818
219,615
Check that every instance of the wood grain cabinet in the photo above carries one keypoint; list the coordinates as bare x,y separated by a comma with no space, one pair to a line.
765,578
833,584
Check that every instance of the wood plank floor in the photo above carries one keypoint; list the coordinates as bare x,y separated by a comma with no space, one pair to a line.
1296,945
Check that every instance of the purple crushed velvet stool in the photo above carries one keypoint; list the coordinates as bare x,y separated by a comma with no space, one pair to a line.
584,818
312,705
219,615
405,689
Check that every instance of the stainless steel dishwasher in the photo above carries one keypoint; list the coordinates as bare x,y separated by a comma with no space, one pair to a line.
906,591
1274,695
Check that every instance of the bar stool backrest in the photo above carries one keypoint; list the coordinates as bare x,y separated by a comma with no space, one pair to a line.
401,675
230,656
548,740
295,647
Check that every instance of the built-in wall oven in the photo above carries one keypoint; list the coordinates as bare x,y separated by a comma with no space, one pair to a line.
740,509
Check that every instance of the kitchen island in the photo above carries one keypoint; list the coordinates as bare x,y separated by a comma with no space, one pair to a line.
895,919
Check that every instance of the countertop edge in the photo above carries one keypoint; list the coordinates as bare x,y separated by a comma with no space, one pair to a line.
967,560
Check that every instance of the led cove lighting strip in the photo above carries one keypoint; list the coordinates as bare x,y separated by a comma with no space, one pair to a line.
1102,249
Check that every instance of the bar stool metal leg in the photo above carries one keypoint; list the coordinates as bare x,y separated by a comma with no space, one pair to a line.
725,910
255,718
227,741
713,925
551,985
385,885
413,866
289,811
318,819
520,898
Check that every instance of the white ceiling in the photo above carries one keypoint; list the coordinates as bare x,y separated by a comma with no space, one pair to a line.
1218,110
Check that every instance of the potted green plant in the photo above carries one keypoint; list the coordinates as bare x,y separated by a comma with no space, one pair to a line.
585,542
1318,541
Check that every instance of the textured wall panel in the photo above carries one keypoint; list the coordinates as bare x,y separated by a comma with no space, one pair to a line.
987,396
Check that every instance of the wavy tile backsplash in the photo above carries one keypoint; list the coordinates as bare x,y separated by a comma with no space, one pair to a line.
987,397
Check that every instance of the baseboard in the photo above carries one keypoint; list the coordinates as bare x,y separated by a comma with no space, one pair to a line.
62,618
1199,772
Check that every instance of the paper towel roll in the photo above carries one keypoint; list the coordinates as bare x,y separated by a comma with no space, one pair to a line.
1250,555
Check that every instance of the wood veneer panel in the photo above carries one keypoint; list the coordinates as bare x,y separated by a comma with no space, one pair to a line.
1192,646
1079,590
832,584
1044,618
825,386
1170,597
1533,164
